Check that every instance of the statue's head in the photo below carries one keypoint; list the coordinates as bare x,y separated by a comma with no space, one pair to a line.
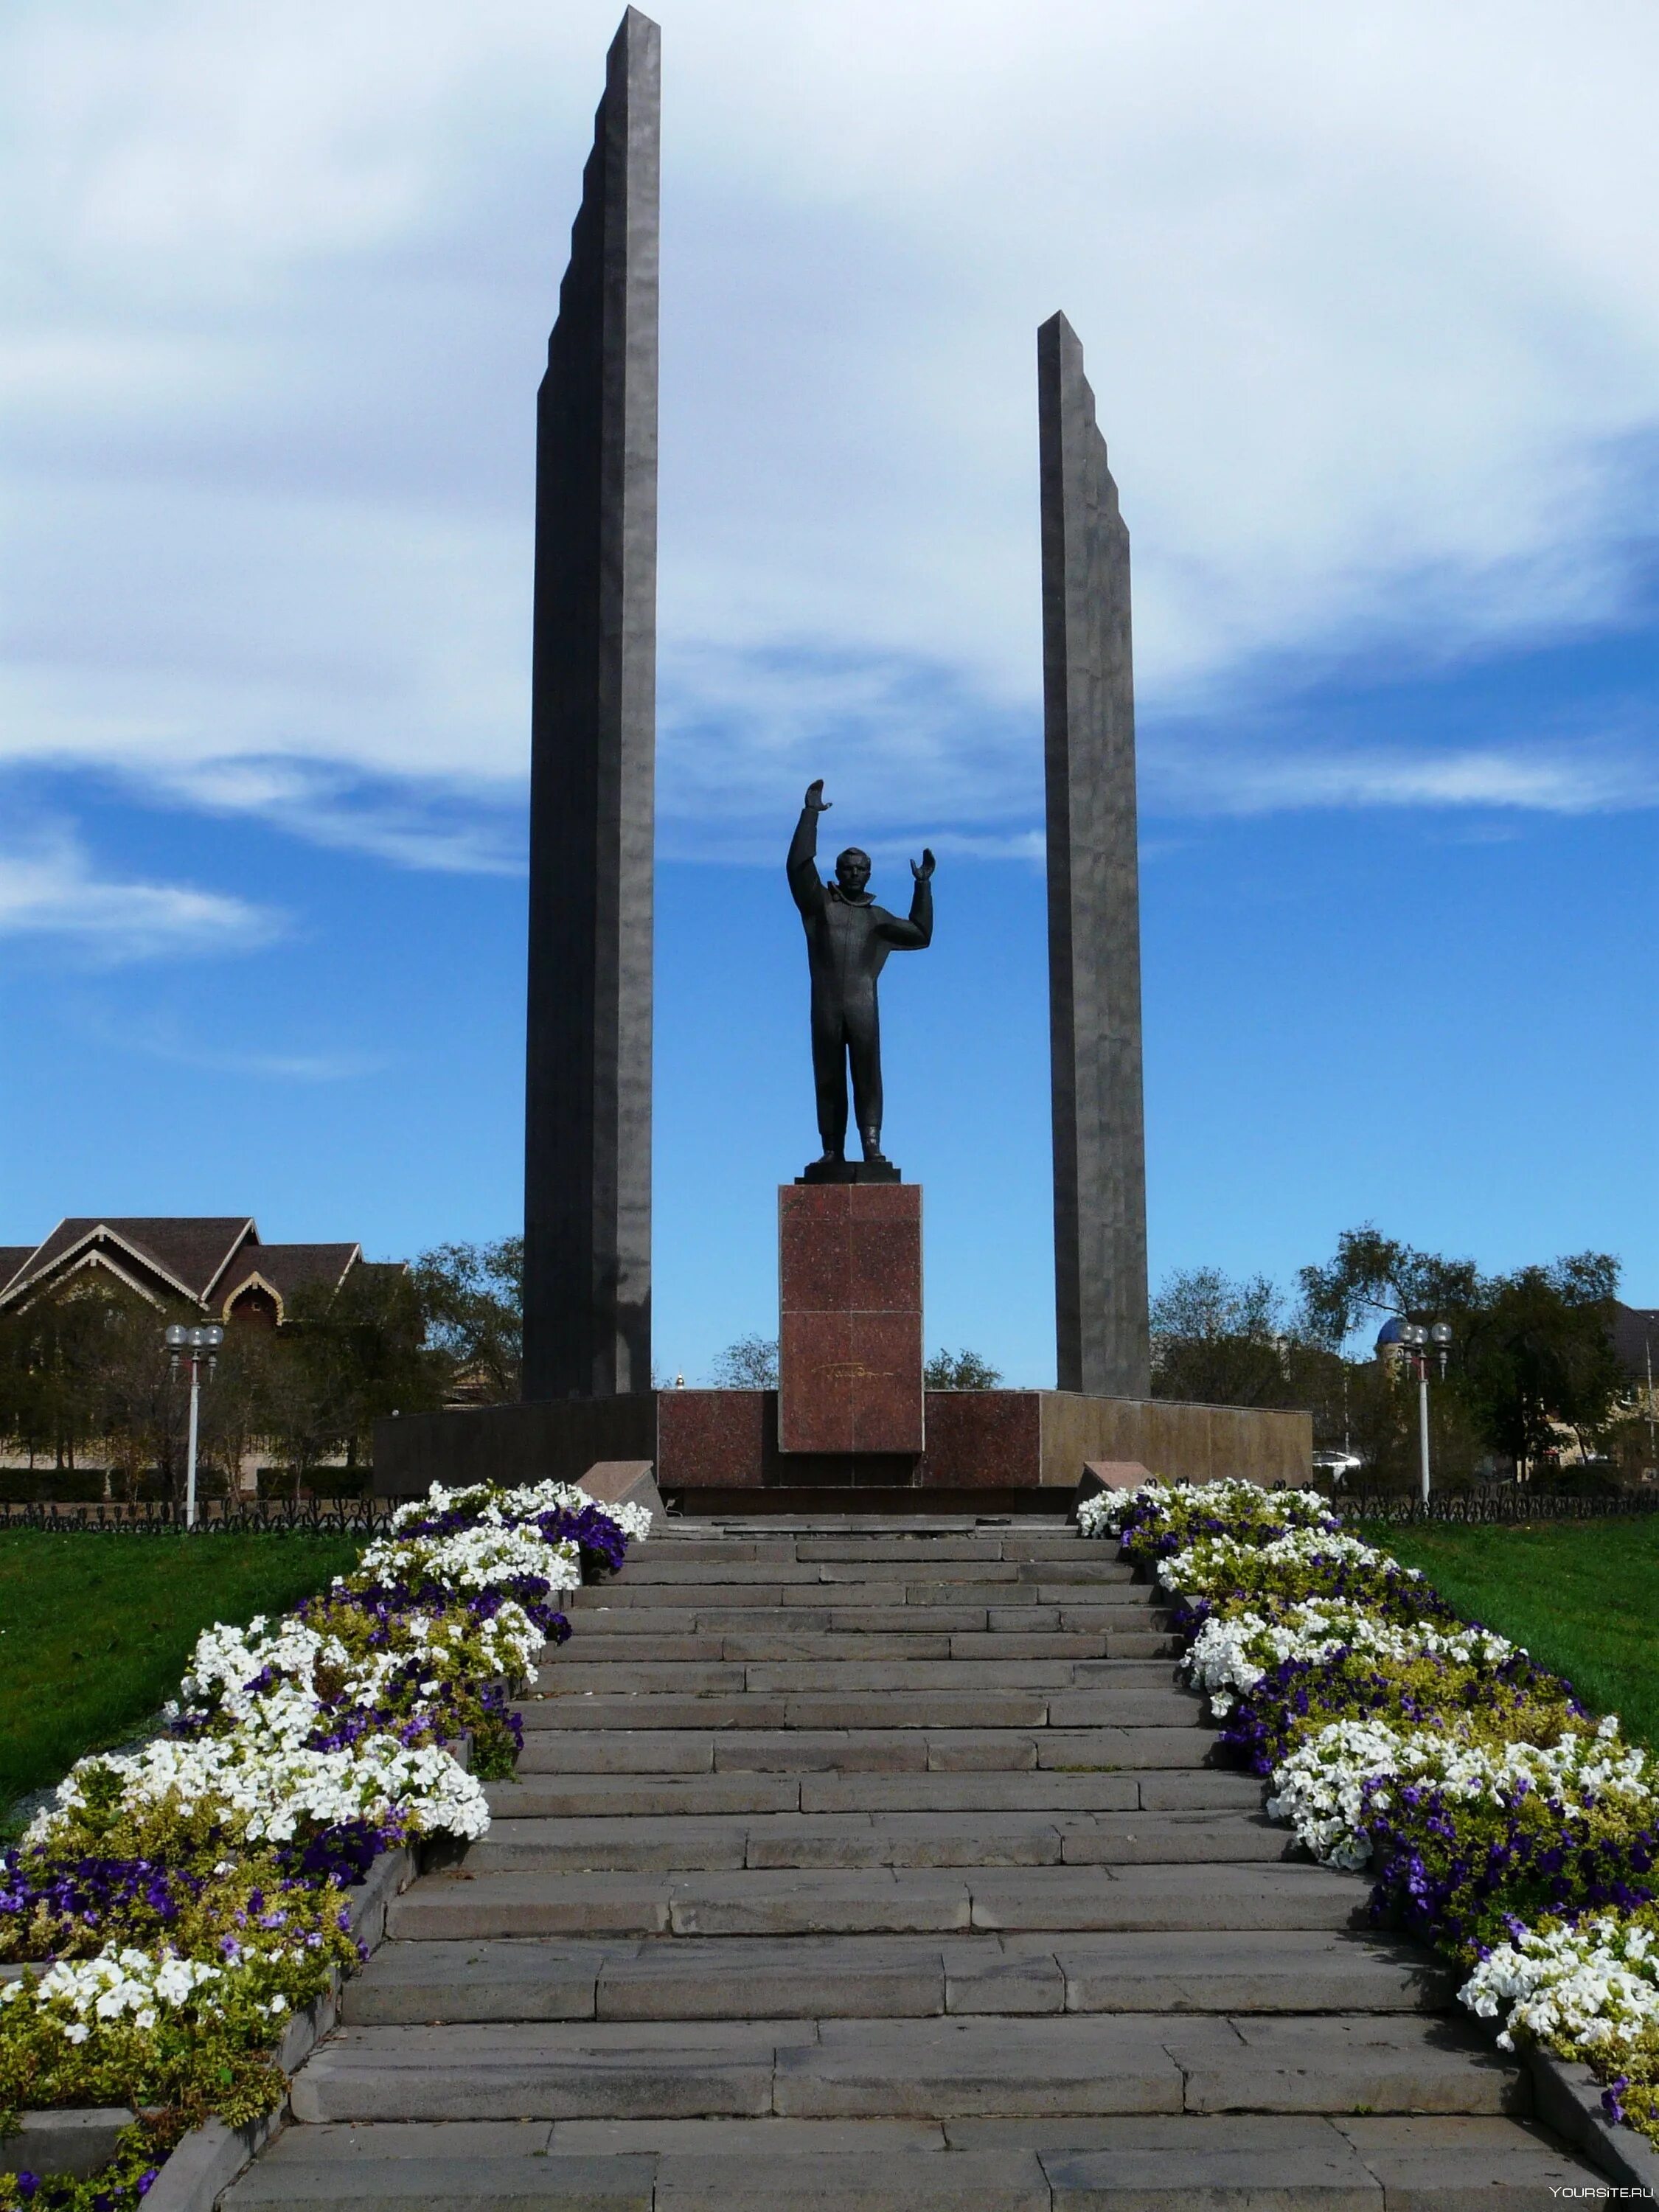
852,871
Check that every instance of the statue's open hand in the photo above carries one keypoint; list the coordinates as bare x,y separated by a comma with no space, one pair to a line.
923,868
816,801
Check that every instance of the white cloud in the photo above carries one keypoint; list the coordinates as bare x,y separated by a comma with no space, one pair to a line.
1370,297
1604,780
49,888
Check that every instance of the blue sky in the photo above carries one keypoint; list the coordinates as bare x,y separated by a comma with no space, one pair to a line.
1372,308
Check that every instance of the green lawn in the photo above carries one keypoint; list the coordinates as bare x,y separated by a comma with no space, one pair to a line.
95,1630
1582,1597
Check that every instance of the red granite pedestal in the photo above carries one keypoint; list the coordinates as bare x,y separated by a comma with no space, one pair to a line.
849,1318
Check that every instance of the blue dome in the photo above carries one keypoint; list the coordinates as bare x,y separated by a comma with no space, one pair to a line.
1389,1332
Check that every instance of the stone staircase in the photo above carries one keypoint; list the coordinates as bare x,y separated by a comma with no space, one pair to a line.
877,1864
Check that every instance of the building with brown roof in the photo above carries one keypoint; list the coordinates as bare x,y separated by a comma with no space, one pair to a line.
217,1263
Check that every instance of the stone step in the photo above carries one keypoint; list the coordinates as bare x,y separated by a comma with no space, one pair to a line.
862,1869
606,1674
542,1796
828,1648
1133,2163
852,1751
975,2066
1011,1586
1121,1605
893,1976
895,1901
688,1842
663,1568
1138,1707
1004,1544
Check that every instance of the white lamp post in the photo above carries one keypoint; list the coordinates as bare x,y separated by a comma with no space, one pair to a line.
1419,1341
195,1344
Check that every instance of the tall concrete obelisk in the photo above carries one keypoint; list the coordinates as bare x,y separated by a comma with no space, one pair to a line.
1093,893
588,1138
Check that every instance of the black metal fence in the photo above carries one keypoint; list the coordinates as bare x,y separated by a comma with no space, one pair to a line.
310,1516
1512,1504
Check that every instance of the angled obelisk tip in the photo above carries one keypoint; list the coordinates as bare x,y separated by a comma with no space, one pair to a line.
1094,894
588,1138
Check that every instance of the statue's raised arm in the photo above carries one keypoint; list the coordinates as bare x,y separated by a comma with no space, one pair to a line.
916,935
803,862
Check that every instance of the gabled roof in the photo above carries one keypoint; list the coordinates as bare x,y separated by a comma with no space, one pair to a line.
183,1252
12,1257
282,1269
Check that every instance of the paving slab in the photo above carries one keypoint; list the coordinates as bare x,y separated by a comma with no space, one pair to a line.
664,1567
589,1709
791,1676
939,1572
766,1902
573,1795
627,1845
457,1907
1098,1749
1172,2165
1169,1897
809,1751
623,1751
1174,1838
902,2181
1349,2062
407,1983
1232,1970
1183,1789
959,1615
637,1597
595,1648
869,1709
834,1648
1004,1985
606,1674
904,1840
601,2071
1128,1707
538,2184
1469,2165
363,2140
936,2069
805,1977
991,1792
998,1644
772,2138
921,1551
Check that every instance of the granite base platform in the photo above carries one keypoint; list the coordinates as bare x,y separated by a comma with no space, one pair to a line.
717,1450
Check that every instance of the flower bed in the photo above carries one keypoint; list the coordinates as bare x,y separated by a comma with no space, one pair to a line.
1500,1819
178,1904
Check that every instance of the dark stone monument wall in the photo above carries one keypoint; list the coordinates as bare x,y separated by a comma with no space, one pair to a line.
587,1140
718,1450
1094,893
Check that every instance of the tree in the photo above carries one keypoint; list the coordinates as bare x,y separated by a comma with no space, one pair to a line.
751,1363
1540,1356
472,1301
1217,1342
960,1370
1531,1352
53,1352
345,1357
1371,1273
140,1412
